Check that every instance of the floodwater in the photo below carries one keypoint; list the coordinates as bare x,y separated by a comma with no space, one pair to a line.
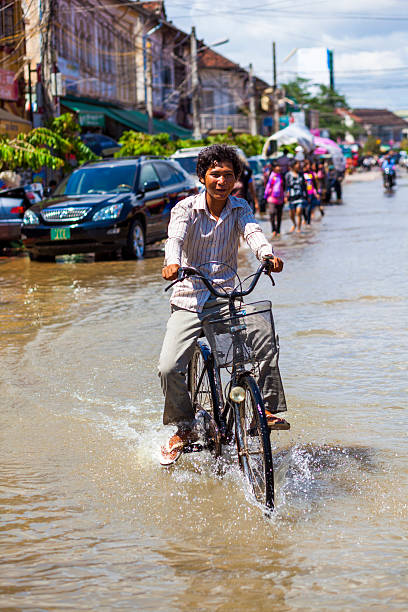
89,521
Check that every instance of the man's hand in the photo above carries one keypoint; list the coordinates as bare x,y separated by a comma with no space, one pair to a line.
170,272
276,264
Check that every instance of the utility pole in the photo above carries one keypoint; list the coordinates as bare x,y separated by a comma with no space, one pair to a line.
149,88
147,75
276,116
252,108
195,86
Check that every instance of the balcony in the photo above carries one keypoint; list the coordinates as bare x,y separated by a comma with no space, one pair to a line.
220,123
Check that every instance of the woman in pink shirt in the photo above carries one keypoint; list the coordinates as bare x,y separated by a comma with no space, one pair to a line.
275,198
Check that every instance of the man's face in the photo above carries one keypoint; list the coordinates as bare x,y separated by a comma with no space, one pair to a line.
219,180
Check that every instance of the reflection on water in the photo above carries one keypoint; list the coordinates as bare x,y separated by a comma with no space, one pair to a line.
90,521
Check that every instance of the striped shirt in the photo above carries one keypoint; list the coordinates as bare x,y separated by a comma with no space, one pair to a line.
196,238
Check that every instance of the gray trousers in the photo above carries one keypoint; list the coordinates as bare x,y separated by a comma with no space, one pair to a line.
183,329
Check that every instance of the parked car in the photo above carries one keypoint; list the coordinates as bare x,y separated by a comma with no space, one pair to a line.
13,204
257,174
100,144
187,158
105,206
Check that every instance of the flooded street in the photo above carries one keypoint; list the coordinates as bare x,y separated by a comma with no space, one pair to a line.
90,521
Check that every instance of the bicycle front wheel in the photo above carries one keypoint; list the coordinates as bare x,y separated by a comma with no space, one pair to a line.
253,442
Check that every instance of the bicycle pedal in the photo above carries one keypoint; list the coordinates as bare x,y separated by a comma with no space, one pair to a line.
194,447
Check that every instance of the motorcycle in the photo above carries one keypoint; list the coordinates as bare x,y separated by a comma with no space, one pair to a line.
389,178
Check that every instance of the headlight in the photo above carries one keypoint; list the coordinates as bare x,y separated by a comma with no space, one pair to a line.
237,394
30,218
109,212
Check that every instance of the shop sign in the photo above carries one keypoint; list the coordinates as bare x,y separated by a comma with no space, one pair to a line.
8,85
89,119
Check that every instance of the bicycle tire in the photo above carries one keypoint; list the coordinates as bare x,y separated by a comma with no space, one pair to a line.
207,395
253,443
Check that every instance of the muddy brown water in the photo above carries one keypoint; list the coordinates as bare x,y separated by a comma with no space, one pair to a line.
89,521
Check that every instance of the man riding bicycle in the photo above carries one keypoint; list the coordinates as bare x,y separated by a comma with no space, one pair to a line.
204,229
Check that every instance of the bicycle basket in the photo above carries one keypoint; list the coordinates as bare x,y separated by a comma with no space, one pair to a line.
251,333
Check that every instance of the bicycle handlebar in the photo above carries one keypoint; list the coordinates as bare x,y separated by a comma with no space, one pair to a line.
184,272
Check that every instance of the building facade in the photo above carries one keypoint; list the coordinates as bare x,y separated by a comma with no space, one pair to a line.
12,63
122,65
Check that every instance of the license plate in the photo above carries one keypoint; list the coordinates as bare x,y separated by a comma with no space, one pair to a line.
60,233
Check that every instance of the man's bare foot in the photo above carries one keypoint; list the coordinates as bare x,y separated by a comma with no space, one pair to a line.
298,231
273,234
292,229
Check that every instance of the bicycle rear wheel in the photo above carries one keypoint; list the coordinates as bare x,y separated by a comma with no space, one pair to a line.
253,442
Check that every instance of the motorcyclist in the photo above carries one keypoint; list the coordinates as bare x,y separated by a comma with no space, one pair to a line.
388,170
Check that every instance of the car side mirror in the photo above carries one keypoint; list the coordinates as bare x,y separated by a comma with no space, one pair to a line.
150,186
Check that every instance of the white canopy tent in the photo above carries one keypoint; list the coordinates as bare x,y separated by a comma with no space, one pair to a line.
294,133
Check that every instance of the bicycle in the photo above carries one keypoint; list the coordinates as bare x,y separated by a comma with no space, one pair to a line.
240,412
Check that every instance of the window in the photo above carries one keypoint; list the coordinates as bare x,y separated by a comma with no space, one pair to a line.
208,100
7,20
169,175
147,175
99,179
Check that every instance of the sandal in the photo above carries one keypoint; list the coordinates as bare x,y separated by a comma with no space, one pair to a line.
170,452
275,422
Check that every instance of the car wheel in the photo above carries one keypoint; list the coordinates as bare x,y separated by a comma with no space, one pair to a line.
37,257
135,248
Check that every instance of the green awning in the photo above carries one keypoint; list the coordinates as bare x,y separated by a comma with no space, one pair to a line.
93,115
89,115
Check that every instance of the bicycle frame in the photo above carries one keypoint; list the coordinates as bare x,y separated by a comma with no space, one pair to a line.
229,415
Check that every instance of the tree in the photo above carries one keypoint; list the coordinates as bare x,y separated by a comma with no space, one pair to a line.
319,97
137,143
371,145
67,129
53,147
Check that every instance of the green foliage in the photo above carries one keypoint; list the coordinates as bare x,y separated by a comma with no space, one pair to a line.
54,146
404,144
371,145
298,91
20,153
326,101
66,130
137,143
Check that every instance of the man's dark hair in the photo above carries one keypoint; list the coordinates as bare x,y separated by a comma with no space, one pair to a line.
218,153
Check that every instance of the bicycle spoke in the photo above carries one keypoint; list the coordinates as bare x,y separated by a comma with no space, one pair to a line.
253,449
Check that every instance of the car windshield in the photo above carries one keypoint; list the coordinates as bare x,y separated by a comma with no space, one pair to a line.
188,163
98,179
254,166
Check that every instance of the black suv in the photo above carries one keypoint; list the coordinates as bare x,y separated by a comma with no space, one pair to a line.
104,206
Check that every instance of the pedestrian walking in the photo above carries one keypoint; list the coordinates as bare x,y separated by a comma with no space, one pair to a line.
311,189
296,195
275,198
335,179
245,187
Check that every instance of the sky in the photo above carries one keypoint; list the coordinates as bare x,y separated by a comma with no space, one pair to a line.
368,37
